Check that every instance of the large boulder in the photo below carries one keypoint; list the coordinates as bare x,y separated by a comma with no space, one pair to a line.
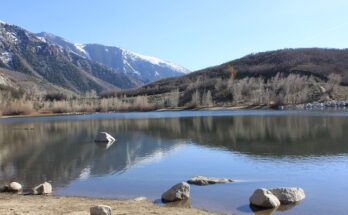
14,187
180,191
264,198
43,189
100,210
288,195
202,180
104,137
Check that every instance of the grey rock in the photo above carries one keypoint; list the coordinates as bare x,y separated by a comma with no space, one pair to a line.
180,191
264,198
288,195
43,189
100,210
202,180
104,137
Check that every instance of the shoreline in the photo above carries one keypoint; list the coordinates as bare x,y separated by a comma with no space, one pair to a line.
217,108
52,204
158,110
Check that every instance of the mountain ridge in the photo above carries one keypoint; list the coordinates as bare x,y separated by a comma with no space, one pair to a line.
141,67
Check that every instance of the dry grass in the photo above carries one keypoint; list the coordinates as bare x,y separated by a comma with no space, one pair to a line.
18,108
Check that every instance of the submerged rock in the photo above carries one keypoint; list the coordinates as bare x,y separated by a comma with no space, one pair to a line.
202,180
180,191
43,189
100,210
288,195
264,198
104,137
14,187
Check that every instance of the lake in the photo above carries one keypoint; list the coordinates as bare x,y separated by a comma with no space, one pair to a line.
156,150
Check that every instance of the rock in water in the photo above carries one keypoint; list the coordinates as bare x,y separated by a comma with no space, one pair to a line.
15,187
180,191
43,189
264,198
288,195
104,137
100,210
201,180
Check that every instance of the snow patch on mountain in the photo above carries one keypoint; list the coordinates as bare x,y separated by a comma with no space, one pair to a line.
80,47
12,37
153,60
6,57
42,39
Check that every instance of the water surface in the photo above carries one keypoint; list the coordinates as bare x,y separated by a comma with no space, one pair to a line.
156,150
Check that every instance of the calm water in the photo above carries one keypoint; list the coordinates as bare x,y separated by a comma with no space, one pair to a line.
156,150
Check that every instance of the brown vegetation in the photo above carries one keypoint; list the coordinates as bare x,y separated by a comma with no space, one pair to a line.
249,91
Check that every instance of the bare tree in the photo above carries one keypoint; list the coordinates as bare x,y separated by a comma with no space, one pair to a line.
333,83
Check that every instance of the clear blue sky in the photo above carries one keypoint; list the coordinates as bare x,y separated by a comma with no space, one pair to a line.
192,33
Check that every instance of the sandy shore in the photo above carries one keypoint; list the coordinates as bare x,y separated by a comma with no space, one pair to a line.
12,204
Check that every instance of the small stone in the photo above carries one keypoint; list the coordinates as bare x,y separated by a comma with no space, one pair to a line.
264,198
180,191
43,189
202,180
288,195
140,198
100,210
15,187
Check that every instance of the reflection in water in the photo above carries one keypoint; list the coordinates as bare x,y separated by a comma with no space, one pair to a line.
263,211
62,151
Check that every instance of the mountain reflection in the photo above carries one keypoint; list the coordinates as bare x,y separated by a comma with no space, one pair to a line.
61,151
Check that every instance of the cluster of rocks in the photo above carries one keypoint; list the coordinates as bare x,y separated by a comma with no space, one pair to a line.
181,191
328,104
41,189
272,198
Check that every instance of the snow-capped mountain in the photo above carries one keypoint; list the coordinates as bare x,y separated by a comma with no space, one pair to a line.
32,56
140,67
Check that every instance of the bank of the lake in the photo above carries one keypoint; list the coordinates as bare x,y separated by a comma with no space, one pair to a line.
53,205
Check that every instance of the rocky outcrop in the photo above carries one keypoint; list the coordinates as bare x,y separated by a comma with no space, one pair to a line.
43,189
104,138
180,191
100,210
264,198
271,198
288,195
202,180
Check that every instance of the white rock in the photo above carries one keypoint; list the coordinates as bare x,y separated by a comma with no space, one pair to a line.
100,210
43,189
202,180
264,198
180,191
15,187
140,198
104,137
288,195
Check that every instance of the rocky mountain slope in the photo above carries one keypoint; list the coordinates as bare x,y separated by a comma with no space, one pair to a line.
24,52
55,63
143,68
